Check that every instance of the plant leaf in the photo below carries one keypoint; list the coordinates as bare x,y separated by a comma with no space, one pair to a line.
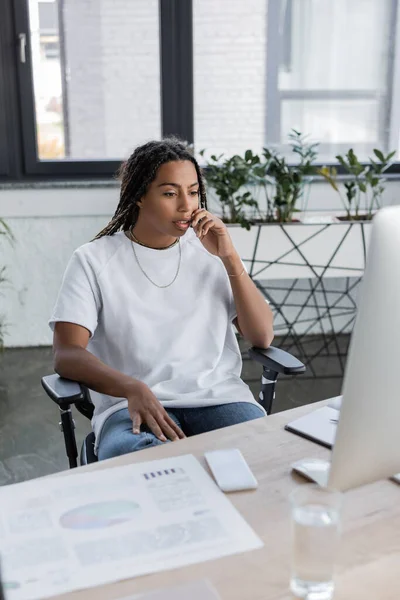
379,154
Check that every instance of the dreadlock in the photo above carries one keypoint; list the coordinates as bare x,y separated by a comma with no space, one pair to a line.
138,172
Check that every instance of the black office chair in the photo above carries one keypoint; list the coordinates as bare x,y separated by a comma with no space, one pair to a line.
65,392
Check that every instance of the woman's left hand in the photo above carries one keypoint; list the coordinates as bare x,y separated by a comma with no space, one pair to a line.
212,233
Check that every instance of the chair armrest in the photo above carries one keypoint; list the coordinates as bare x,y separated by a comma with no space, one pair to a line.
277,360
63,391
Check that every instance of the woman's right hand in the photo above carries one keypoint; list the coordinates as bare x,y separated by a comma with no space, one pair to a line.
73,361
145,409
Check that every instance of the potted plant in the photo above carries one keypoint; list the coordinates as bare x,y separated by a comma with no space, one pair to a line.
242,182
260,195
254,191
229,178
288,182
366,183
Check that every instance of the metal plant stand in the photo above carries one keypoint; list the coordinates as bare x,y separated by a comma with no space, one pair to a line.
312,312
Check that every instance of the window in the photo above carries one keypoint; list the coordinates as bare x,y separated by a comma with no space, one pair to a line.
323,67
82,82
334,76
96,77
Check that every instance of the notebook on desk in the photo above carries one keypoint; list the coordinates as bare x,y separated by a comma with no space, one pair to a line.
318,426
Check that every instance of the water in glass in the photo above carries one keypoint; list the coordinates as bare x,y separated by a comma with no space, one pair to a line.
315,541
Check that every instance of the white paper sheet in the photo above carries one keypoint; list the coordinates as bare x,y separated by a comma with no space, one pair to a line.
66,533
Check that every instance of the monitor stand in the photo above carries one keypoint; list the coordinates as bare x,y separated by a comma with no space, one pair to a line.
317,470
313,469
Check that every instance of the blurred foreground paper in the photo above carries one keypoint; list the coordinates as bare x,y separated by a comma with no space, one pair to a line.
60,534
198,590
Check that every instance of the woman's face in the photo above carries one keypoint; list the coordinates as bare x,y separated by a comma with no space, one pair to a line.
170,200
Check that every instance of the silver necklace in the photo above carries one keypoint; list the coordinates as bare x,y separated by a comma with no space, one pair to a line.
145,274
141,243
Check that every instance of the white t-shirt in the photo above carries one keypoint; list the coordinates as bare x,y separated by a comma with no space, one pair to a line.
179,340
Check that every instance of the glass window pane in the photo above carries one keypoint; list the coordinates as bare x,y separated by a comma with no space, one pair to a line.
333,79
337,124
340,45
229,74
96,73
321,66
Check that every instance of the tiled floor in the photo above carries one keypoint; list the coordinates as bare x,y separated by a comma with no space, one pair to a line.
31,444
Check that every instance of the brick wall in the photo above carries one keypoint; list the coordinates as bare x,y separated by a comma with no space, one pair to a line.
113,75
84,75
131,67
229,74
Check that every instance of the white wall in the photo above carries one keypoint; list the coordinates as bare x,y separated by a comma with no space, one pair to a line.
48,225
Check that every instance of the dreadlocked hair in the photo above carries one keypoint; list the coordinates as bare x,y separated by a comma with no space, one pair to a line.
138,172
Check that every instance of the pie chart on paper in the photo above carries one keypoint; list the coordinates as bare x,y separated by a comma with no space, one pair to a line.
100,515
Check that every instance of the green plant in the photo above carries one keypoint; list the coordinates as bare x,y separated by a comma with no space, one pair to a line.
6,232
289,181
375,180
281,185
229,178
366,182
330,175
356,187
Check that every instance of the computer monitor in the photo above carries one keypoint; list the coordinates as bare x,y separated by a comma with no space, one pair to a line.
367,442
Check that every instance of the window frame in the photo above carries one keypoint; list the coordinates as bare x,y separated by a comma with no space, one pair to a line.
10,133
4,145
176,109
18,153
34,166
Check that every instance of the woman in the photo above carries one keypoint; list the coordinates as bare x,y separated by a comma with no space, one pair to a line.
145,311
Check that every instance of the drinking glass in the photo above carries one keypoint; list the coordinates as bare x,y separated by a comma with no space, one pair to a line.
316,532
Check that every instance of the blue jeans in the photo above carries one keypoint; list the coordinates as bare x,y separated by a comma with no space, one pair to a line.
117,438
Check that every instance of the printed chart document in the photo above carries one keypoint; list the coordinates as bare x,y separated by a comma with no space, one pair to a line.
83,530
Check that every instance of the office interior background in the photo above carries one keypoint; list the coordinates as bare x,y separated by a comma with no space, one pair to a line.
82,82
